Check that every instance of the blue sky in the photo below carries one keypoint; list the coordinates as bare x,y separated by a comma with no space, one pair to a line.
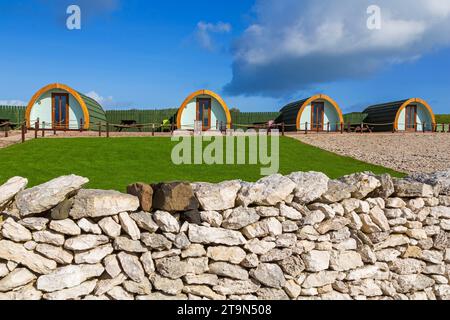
259,54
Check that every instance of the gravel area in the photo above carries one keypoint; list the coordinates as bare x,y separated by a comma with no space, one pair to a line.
407,152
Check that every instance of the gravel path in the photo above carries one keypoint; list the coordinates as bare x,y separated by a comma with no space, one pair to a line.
407,153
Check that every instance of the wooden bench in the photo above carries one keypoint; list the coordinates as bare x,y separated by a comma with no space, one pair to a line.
128,124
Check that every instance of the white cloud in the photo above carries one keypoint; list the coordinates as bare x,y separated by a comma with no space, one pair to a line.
19,103
295,44
104,101
204,31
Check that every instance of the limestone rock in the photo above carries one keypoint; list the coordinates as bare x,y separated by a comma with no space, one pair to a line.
145,221
131,266
112,266
93,256
16,232
310,186
193,251
167,286
110,227
9,190
129,226
207,235
89,227
272,294
213,218
73,293
235,287
345,260
440,179
228,270
293,266
46,196
217,197
17,278
337,191
240,218
276,255
269,275
147,263
55,253
48,237
174,197
202,291
11,251
85,242
103,286
233,255
68,277
119,293
332,225
316,261
320,279
378,217
141,288
263,228
171,267
156,241
268,191
99,203
144,192
34,224
412,189
66,226
413,282
363,183
290,213
166,222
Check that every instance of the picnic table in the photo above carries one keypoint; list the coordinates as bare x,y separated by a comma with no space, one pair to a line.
5,123
128,124
363,128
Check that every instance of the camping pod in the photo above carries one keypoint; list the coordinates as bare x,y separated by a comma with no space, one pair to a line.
317,113
405,115
58,106
203,109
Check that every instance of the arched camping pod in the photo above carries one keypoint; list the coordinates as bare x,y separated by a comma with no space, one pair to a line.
319,112
205,107
405,115
61,107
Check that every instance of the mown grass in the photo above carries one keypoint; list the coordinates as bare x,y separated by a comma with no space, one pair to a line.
115,163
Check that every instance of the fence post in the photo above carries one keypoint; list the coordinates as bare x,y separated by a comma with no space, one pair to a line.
306,128
6,131
283,129
362,128
36,129
171,128
328,127
349,127
43,129
423,127
81,125
342,128
99,129
107,129
23,132
153,129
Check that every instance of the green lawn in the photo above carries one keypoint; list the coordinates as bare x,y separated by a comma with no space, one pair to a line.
115,163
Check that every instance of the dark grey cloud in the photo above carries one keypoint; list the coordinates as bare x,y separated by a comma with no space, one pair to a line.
298,44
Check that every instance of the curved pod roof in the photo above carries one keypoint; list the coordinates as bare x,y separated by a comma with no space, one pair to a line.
91,108
201,93
293,111
388,113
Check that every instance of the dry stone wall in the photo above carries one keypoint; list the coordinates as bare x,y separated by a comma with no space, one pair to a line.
301,236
